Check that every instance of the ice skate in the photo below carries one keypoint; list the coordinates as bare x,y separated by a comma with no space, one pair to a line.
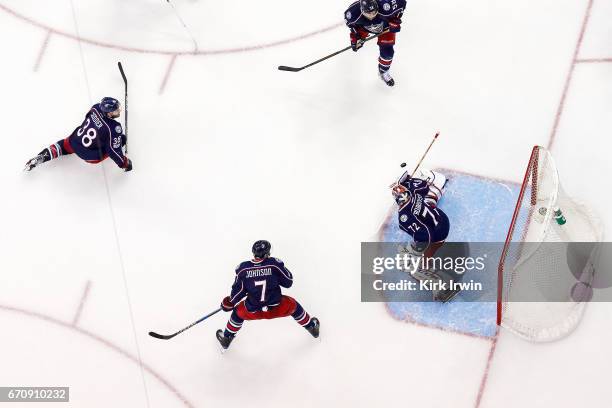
387,78
224,341
34,162
314,330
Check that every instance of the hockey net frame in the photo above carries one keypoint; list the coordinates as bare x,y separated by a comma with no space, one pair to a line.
540,161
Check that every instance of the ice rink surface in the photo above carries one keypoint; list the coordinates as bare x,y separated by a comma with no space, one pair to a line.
228,150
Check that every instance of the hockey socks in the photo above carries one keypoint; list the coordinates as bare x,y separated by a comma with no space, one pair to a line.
54,151
303,319
234,324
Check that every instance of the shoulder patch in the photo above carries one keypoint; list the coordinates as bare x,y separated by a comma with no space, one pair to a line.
348,15
118,129
404,218
386,7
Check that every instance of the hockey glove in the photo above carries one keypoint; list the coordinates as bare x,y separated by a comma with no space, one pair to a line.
226,304
128,166
395,25
356,41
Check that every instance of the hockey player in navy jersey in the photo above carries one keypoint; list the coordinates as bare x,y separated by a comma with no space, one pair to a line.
256,294
100,136
420,217
366,17
418,213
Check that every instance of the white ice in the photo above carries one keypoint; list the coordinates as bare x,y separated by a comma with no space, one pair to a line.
228,150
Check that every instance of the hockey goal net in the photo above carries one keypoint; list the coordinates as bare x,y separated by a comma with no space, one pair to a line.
545,272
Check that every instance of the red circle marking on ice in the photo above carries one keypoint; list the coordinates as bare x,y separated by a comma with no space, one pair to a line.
97,43
108,344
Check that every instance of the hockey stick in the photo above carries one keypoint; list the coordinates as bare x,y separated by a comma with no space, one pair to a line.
125,103
425,154
293,69
420,161
169,336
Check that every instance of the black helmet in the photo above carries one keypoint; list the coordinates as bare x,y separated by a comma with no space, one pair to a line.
108,104
369,6
261,249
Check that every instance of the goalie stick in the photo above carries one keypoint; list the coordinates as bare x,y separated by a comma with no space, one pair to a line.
294,69
125,103
419,163
424,154
169,336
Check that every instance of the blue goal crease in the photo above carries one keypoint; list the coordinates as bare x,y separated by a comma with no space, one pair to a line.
480,210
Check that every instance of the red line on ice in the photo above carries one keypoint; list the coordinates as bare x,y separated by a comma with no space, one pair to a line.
570,74
106,343
97,43
43,48
593,60
568,79
167,74
77,315
485,376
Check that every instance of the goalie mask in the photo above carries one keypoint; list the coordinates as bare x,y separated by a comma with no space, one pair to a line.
400,194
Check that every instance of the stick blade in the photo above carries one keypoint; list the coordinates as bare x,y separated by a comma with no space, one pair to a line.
160,336
122,72
290,69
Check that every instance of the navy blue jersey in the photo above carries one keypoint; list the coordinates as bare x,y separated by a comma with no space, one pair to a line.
99,137
387,9
260,280
424,222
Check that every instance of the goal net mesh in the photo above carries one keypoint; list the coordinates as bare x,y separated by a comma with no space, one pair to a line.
545,270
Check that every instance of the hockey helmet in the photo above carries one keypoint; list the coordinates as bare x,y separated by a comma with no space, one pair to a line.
261,249
369,8
108,104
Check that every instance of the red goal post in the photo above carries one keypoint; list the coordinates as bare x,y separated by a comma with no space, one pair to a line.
535,282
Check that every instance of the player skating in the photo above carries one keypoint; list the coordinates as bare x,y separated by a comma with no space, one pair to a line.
420,217
256,294
375,16
99,136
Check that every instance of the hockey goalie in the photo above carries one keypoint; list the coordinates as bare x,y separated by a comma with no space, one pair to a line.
417,198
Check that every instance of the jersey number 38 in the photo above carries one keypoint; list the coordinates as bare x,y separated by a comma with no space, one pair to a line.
87,134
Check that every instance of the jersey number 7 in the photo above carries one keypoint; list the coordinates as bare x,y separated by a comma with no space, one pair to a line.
262,283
